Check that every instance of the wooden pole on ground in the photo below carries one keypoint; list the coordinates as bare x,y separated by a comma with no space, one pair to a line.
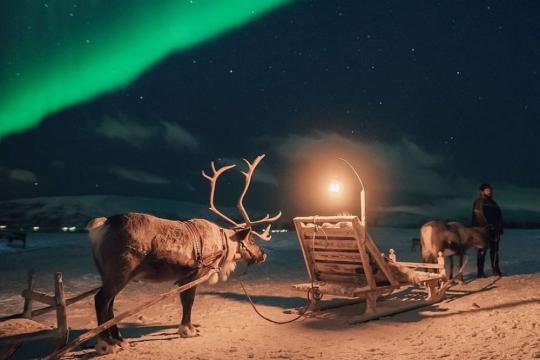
95,331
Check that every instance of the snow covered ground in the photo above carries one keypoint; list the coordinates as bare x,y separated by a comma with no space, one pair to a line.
70,253
499,319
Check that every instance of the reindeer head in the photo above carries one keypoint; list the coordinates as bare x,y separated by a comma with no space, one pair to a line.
243,233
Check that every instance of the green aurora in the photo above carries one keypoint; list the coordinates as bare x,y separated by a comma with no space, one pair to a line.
56,54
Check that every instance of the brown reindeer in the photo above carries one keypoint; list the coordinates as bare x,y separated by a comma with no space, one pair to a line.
451,239
140,246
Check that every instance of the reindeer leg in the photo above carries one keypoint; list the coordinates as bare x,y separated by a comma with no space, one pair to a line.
113,330
460,276
451,266
104,300
187,329
480,260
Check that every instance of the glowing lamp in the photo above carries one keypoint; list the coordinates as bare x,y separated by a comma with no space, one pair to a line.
334,187
362,195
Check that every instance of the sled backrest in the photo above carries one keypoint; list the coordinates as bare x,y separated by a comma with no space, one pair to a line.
337,249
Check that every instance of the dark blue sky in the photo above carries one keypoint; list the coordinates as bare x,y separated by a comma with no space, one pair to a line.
437,96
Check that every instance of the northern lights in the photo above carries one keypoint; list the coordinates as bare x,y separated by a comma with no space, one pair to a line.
64,53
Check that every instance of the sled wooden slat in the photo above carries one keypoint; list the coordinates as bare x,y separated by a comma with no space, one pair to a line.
331,244
337,256
340,278
327,233
419,265
347,269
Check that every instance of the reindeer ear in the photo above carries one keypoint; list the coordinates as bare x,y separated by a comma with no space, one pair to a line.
241,234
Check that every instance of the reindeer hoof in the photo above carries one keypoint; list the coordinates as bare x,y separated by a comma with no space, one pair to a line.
103,347
187,331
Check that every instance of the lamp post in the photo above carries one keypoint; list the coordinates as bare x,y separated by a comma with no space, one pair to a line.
362,195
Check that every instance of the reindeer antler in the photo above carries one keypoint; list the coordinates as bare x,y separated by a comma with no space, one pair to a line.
265,235
267,219
213,179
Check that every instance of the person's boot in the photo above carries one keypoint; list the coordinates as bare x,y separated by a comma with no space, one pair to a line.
480,260
494,257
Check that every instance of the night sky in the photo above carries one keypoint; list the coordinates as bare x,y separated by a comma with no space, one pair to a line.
427,99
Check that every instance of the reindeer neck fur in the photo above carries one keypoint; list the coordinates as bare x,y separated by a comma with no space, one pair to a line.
229,262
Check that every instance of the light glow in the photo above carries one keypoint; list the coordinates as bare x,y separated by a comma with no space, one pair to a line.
335,187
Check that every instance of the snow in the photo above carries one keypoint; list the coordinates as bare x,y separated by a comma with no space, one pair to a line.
71,254
508,308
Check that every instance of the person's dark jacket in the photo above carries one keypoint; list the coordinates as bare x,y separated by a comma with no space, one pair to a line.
487,212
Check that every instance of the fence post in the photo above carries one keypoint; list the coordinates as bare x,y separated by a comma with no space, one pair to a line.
27,310
61,318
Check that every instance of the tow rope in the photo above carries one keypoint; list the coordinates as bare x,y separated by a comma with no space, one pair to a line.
312,293
300,315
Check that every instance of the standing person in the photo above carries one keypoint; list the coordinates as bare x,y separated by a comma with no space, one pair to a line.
487,213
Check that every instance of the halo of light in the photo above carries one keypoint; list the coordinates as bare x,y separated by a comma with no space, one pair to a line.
334,187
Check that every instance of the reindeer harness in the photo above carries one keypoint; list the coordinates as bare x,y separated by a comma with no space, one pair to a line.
208,260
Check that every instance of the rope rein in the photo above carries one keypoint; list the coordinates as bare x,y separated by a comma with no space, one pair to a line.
313,290
300,315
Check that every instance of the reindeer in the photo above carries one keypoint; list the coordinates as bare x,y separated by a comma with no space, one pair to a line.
450,238
141,246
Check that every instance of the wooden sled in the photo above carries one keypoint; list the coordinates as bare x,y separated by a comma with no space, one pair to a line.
343,260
